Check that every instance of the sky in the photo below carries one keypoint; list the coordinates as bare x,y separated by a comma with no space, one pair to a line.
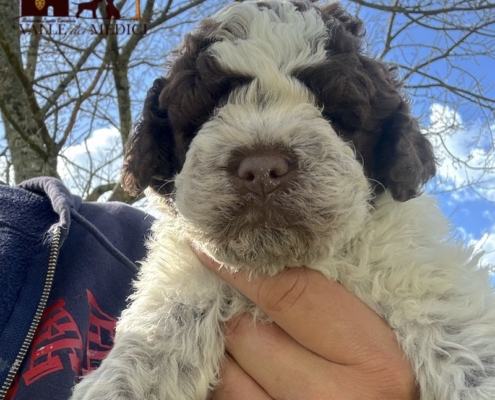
472,216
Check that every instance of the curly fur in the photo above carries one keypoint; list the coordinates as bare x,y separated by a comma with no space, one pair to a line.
289,78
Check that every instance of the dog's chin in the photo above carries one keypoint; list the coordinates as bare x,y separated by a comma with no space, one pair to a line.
265,239
264,250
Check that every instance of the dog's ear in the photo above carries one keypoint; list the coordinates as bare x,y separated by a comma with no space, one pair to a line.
149,153
404,159
349,22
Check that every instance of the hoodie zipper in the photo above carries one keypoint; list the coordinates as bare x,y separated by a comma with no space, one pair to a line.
52,262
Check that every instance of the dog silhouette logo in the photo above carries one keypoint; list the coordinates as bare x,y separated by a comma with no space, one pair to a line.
44,8
110,9
60,8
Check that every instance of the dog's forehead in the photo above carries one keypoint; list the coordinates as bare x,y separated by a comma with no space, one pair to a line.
257,38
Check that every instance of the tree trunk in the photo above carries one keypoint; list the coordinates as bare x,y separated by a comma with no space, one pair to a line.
28,163
30,154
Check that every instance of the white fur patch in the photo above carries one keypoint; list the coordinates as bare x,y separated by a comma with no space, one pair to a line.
261,42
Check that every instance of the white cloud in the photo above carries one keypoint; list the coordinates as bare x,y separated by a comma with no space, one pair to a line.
465,155
96,160
486,244
488,215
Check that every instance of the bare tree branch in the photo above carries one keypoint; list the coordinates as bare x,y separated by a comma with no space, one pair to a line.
78,104
99,190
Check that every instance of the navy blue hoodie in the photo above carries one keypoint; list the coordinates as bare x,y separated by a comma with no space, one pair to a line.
66,270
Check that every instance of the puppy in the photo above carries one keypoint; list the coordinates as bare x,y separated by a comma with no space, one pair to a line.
272,143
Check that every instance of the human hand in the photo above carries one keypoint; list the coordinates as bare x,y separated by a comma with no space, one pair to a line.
324,343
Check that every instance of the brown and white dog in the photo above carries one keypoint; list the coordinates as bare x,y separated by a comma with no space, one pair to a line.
274,142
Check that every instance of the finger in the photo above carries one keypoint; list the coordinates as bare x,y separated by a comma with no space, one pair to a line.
327,309
284,368
236,384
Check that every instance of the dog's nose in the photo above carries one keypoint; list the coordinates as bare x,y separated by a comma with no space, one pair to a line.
263,174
